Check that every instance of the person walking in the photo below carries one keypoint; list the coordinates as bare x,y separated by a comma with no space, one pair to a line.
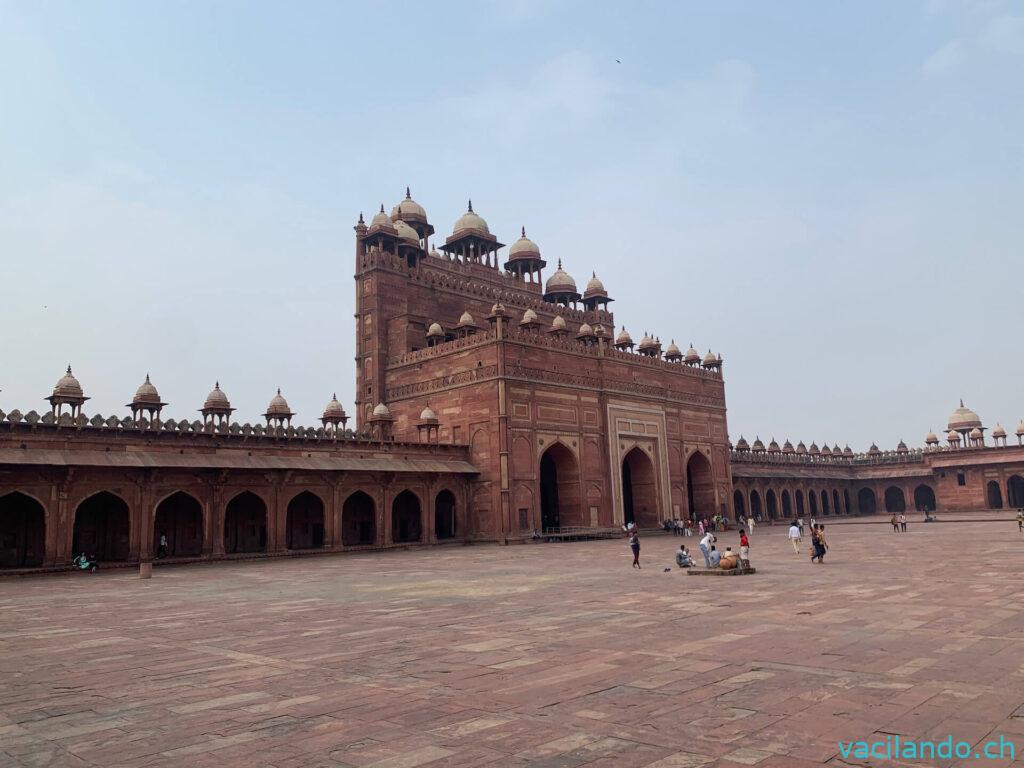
161,550
903,523
800,525
822,544
794,536
895,524
706,545
750,523
634,544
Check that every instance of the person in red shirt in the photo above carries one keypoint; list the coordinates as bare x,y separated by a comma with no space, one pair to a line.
744,549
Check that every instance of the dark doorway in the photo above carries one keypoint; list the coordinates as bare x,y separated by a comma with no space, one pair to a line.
305,528
102,528
924,498
846,500
245,524
799,503
179,517
444,515
738,505
824,503
1015,491
787,506
812,502
866,501
700,486
835,503
559,488
22,531
994,495
358,520
894,500
771,504
639,490
755,505
405,518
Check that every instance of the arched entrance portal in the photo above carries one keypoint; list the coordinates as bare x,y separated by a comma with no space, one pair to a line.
22,531
358,520
799,503
924,498
405,518
245,524
305,528
1015,491
179,517
639,490
559,488
444,515
993,495
700,486
824,503
812,502
894,501
787,505
102,528
738,505
771,505
836,509
866,501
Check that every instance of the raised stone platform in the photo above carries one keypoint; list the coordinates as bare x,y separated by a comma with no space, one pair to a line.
721,571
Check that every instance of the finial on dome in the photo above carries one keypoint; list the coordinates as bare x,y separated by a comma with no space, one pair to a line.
382,207
559,266
216,385
334,395
961,402
524,231
593,273
69,369
407,195
470,205
279,390
361,218
147,377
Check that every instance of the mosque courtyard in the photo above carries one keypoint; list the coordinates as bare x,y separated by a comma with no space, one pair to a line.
540,655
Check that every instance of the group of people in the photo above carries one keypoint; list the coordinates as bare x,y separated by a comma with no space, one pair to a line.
712,556
899,523
819,544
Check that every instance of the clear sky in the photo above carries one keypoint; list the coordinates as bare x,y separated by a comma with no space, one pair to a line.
828,193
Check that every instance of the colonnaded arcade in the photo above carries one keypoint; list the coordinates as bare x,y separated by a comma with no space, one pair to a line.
490,403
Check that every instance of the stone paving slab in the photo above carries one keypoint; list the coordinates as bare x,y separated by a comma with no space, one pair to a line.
543,655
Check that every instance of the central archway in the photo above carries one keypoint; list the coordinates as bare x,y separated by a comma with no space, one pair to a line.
405,518
639,490
444,515
305,525
358,520
894,500
924,498
559,488
102,528
179,517
245,524
866,504
771,504
700,486
22,531
755,505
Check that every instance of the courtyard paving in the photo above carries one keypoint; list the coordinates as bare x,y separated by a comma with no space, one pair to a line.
541,655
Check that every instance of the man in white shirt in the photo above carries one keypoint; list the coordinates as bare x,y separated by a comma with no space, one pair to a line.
794,536
705,547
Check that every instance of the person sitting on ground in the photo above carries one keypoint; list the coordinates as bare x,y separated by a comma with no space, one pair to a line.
82,562
683,559
714,557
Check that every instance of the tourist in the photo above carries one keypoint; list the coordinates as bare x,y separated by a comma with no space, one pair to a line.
161,550
822,543
700,527
688,527
683,559
1020,520
795,536
800,525
706,545
814,523
814,543
84,563
714,557
744,549
634,544
895,524
903,523
750,523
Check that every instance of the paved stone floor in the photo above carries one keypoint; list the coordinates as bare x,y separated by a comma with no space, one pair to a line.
542,655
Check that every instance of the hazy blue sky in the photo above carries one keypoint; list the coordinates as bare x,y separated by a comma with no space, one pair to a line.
829,194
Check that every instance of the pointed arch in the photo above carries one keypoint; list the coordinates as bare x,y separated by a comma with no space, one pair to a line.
559,487
700,486
866,503
305,524
358,520
924,498
406,518
22,531
445,519
178,519
102,528
639,489
245,524
738,503
894,499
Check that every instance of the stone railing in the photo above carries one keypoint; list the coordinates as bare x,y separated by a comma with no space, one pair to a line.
915,456
111,425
